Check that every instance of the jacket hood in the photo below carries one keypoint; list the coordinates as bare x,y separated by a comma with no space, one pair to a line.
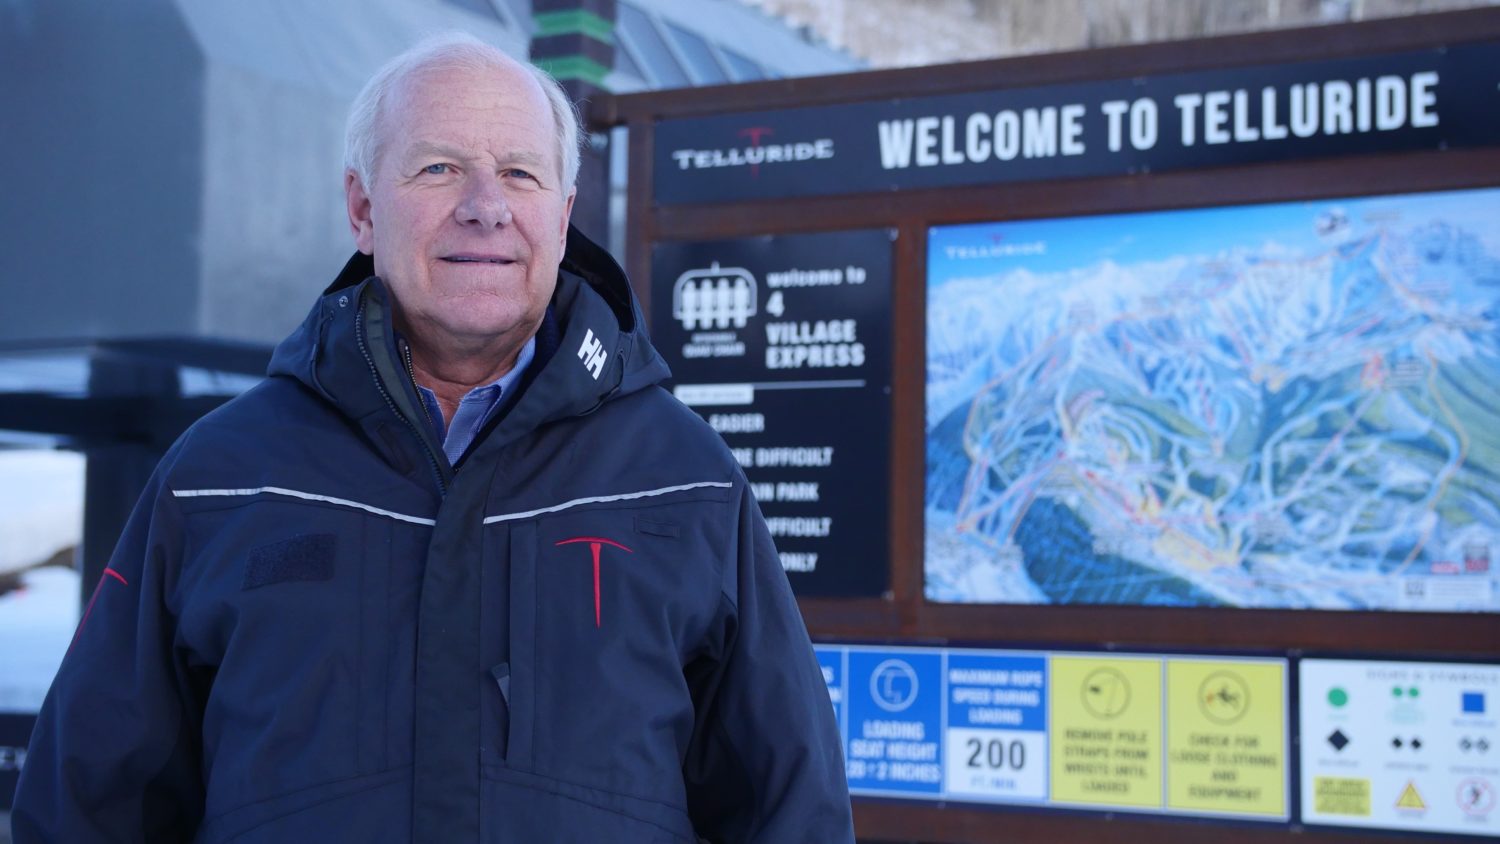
591,347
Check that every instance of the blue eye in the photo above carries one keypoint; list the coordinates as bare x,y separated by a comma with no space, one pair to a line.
435,169
519,173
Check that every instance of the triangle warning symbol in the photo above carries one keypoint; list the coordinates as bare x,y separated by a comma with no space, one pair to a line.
1409,798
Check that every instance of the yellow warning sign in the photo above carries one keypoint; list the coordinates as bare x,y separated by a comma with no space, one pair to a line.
1105,740
1341,796
1409,798
1226,736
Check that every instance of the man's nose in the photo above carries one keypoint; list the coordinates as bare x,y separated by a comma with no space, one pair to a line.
483,204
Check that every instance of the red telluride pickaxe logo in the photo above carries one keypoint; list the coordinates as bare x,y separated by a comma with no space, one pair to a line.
595,544
755,133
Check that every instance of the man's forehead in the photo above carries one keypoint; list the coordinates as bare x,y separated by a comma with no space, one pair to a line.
474,95
508,85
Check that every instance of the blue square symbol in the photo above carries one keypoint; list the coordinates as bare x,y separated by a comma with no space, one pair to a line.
1474,702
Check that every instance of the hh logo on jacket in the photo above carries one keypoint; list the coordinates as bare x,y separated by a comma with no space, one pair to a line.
592,354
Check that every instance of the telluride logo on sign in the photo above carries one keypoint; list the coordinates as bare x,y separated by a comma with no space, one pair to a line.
754,154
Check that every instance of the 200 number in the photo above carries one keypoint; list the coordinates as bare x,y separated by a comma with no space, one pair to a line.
996,754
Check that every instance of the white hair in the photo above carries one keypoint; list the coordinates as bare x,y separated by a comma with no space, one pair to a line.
449,51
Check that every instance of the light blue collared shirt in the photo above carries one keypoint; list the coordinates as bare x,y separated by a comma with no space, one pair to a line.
476,408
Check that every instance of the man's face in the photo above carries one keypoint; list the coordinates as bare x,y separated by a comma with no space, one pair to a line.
466,215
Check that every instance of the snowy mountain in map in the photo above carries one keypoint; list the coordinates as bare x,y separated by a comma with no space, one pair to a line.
1273,406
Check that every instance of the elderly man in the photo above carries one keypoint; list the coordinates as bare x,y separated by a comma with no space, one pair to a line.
459,570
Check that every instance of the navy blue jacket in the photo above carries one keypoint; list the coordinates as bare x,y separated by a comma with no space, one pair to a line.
315,629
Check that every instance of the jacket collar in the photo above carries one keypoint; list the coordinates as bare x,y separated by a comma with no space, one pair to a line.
592,348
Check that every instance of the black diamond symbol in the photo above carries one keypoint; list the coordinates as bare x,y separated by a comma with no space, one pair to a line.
1338,739
1483,745
1416,744
1466,744
1396,743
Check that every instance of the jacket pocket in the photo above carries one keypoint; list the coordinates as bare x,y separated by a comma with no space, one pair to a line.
606,607
510,649
289,610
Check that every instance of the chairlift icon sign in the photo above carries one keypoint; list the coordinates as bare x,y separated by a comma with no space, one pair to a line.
716,297
893,718
893,685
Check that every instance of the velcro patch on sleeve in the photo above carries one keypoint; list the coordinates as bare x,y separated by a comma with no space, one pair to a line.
306,557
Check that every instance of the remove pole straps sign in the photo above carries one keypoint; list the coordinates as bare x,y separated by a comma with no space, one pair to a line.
1428,100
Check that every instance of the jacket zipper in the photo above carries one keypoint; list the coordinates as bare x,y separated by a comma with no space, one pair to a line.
411,372
359,336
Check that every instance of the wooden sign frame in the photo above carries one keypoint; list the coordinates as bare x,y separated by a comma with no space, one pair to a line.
904,615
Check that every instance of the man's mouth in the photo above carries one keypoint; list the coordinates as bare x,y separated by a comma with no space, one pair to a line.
477,259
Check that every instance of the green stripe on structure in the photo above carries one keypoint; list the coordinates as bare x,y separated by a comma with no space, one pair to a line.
574,21
564,68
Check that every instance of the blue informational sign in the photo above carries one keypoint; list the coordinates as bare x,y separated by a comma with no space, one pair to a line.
997,691
895,721
831,660
996,736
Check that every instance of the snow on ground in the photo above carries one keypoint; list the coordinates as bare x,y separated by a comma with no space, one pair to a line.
41,513
41,506
36,625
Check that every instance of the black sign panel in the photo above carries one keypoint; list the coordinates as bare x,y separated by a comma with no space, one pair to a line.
782,343
1433,99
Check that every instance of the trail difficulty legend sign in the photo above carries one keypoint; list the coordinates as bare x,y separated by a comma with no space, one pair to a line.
782,344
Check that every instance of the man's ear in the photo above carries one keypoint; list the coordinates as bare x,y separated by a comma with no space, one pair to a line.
357,202
566,216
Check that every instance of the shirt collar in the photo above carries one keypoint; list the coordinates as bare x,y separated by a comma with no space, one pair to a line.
477,406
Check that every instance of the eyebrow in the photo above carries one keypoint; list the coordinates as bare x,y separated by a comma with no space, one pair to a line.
423,149
427,149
